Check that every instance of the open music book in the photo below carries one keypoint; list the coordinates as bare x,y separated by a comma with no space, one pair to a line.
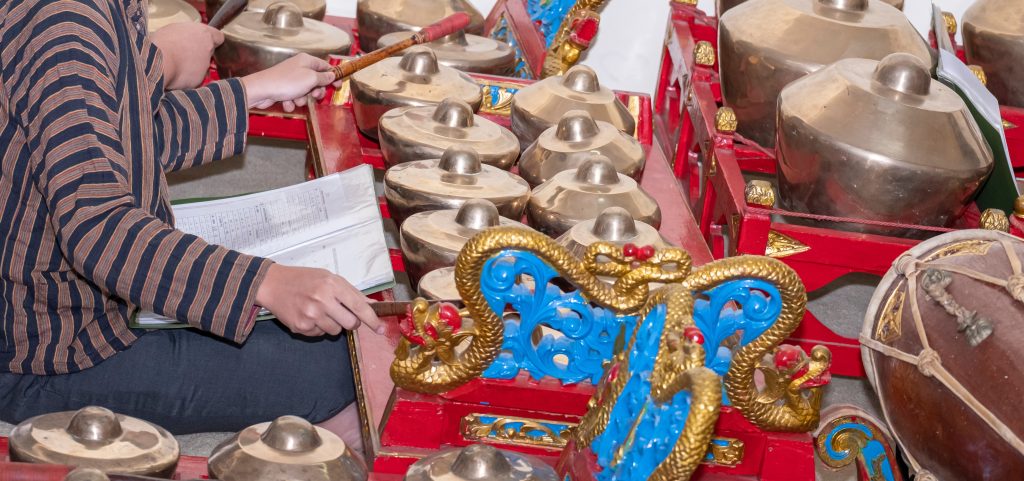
332,223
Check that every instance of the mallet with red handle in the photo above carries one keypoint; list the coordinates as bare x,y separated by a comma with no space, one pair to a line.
446,26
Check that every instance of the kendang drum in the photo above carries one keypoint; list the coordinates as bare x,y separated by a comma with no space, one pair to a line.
255,41
465,52
160,13
833,159
417,133
415,79
942,347
994,40
538,106
480,462
448,182
572,141
95,437
377,18
766,44
315,9
285,449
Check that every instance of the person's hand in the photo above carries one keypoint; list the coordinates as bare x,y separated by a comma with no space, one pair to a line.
186,48
288,82
314,302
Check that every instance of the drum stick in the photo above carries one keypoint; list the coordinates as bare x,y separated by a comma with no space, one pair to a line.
446,26
227,12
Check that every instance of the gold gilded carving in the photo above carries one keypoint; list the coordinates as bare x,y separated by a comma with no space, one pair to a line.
633,106
890,325
432,367
341,95
1007,125
980,73
726,452
995,219
504,92
515,431
760,192
1018,206
704,54
967,247
563,52
725,120
950,22
780,245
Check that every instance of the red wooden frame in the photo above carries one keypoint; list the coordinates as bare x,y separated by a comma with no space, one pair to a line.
712,166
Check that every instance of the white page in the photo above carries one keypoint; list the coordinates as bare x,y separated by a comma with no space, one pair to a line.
332,223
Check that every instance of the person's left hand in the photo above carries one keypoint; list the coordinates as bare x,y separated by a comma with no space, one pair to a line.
187,48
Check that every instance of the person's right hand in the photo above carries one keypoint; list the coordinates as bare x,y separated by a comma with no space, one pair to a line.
289,82
314,302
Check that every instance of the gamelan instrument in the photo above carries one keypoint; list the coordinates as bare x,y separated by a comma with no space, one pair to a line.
480,462
994,40
923,168
415,79
574,196
448,182
942,346
539,106
160,13
417,133
724,5
255,41
466,52
95,437
615,226
442,28
572,140
315,9
377,18
433,239
766,44
226,13
287,448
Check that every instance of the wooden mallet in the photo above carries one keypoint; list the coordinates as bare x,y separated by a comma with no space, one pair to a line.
446,26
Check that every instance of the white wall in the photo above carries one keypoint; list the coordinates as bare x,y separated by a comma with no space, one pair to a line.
627,51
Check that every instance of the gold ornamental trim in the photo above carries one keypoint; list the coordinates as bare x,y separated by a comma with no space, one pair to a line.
504,92
980,73
633,106
1007,125
950,20
780,245
725,120
995,219
726,452
760,192
890,325
967,247
515,431
704,54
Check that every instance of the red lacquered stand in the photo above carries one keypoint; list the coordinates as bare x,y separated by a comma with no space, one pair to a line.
713,165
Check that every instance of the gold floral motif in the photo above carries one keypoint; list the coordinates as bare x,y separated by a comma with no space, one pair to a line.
725,452
1007,125
781,245
760,192
725,120
963,248
995,219
890,326
704,54
529,432
950,22
980,73
563,53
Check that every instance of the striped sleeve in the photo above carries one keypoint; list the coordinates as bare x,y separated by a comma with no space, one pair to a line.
197,126
70,112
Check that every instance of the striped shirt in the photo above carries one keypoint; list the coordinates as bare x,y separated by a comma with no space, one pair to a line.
86,230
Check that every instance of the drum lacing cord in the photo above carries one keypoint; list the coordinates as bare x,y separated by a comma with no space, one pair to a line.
928,360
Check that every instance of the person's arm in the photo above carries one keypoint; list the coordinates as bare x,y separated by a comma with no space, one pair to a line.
201,125
186,49
67,103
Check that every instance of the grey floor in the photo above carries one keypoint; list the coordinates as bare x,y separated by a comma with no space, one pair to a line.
272,164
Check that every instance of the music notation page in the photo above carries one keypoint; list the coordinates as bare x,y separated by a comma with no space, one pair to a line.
332,223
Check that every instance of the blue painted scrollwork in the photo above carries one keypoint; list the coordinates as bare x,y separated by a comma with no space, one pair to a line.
503,33
548,15
587,333
868,448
